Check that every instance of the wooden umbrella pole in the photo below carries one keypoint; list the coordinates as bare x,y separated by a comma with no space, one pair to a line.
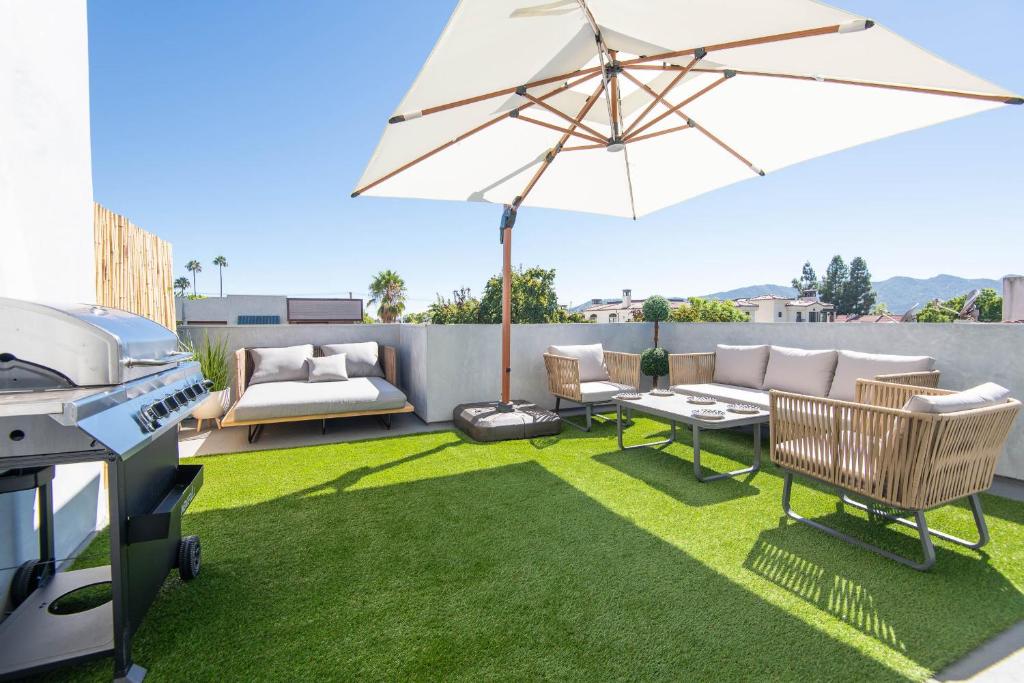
506,312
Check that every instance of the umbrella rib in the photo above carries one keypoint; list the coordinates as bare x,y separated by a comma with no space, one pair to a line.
874,84
691,123
552,126
465,135
661,95
574,122
666,131
675,108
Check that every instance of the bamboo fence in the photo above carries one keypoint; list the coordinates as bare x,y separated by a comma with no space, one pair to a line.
134,268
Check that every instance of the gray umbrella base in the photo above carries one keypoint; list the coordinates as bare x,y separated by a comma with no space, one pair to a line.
484,422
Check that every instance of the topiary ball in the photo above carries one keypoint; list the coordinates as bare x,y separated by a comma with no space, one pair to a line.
656,309
654,362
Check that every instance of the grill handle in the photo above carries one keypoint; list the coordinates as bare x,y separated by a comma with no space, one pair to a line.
156,362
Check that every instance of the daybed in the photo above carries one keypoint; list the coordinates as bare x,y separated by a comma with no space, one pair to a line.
300,383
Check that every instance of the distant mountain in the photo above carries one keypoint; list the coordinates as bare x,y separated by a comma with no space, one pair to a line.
898,293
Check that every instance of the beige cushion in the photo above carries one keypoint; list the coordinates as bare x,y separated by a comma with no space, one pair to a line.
280,364
799,371
726,393
297,399
981,396
854,365
361,358
601,392
327,369
742,366
590,356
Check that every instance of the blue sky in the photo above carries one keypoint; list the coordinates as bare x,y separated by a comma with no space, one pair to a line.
239,127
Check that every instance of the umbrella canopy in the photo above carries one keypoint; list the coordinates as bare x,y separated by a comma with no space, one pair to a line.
624,107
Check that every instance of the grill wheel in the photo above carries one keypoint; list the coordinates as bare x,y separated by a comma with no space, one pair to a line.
189,556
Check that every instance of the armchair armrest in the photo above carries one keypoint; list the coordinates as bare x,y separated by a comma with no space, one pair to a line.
888,394
243,371
563,376
691,368
623,368
925,378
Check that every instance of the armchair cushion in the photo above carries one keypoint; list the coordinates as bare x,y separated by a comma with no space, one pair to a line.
741,366
853,365
981,396
280,364
601,392
590,357
361,358
799,370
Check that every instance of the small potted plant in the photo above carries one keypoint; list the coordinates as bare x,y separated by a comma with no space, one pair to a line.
213,362
654,361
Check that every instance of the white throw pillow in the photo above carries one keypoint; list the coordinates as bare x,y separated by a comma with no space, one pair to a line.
327,369
741,366
981,396
799,371
280,364
591,358
854,365
361,358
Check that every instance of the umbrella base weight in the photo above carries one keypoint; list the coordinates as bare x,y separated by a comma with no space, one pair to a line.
492,421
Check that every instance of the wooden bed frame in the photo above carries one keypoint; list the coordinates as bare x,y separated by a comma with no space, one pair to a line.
243,373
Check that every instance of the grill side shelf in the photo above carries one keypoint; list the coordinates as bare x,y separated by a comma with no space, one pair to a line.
157,524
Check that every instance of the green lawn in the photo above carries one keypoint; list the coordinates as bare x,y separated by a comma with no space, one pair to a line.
430,557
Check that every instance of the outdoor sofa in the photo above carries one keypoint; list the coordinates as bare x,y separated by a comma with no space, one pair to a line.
306,382
745,374
588,375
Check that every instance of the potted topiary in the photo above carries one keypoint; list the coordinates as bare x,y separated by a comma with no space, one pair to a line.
654,361
213,362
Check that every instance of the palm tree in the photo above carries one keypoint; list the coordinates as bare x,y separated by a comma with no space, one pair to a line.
387,292
194,267
221,264
181,285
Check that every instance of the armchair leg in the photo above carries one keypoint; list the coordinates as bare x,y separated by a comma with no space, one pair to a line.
927,549
588,420
979,521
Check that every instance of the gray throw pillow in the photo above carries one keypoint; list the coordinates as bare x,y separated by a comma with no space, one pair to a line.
854,365
741,366
327,369
361,358
800,371
280,364
981,396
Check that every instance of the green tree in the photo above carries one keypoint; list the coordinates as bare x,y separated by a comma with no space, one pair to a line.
194,267
221,264
534,299
368,319
834,281
858,295
387,293
463,308
181,286
989,303
808,279
416,318
879,309
698,310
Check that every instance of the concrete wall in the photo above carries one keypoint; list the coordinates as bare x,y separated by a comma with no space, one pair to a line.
46,223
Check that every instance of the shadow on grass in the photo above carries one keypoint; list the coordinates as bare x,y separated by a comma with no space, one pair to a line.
505,573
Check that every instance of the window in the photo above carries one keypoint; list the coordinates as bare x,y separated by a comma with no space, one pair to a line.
593,317
613,318
812,317
780,314
799,316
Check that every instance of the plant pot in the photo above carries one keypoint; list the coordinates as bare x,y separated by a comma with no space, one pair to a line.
214,407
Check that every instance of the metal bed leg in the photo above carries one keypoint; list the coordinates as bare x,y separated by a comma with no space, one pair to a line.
979,521
254,432
698,471
927,549
618,429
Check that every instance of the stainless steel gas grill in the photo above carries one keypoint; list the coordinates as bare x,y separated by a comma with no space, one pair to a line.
87,383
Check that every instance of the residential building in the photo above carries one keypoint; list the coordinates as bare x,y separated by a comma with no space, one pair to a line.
619,310
254,309
807,308
869,318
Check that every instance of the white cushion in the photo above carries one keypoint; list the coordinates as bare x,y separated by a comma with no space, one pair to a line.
327,369
280,364
854,365
799,371
601,392
981,396
742,366
298,399
726,393
361,358
590,356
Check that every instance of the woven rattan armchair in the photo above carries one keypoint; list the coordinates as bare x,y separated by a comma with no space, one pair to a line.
900,461
564,382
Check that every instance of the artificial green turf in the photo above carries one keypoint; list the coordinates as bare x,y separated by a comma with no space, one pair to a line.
433,557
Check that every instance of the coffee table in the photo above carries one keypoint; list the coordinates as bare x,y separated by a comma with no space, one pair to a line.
677,409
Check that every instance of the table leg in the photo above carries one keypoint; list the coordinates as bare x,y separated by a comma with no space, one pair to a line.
699,472
618,424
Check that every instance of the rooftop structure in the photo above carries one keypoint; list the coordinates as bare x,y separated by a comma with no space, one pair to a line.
619,310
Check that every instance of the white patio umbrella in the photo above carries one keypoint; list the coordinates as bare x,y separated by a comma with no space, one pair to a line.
624,107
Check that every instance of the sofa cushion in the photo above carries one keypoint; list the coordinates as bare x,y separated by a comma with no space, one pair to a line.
742,366
600,392
726,393
590,356
981,396
361,358
327,369
854,365
800,371
280,364
300,398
